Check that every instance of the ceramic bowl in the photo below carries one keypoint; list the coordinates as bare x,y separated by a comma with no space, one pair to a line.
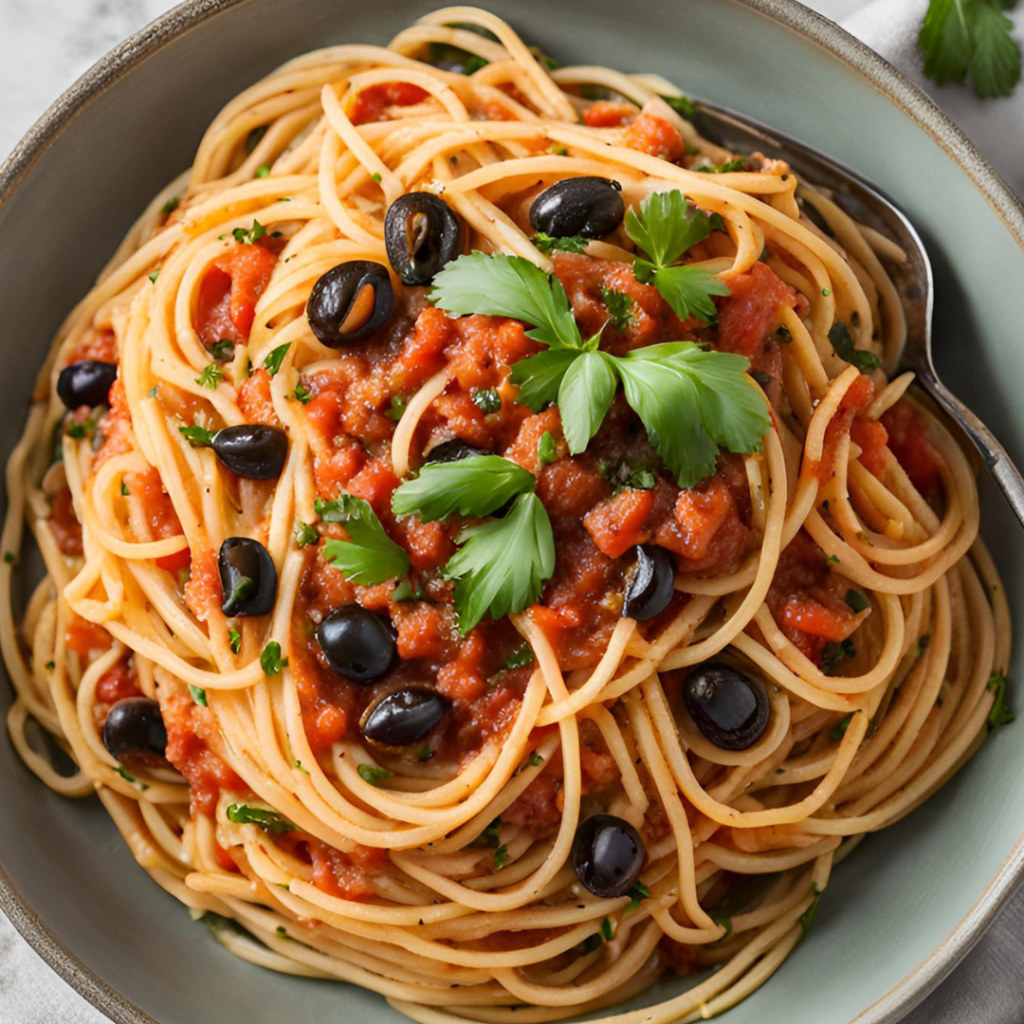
909,903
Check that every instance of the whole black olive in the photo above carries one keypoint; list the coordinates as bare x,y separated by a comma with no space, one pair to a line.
247,577
135,726
358,644
729,707
86,382
453,451
252,450
421,235
404,717
607,855
350,302
649,585
590,207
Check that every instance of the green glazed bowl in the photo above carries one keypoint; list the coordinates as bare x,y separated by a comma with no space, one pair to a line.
909,903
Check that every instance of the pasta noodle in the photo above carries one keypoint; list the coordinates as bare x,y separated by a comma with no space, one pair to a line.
839,564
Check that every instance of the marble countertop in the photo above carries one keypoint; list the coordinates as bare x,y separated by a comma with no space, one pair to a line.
49,43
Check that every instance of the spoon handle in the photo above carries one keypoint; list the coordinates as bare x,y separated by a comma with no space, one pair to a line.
997,461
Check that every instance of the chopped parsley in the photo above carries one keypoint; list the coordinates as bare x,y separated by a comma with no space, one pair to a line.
275,358
235,640
250,236
837,732
500,857
10,558
305,535
198,695
487,400
834,654
303,394
682,105
405,591
1000,713
262,171
536,759
843,346
223,351
489,837
546,448
548,244
857,601
618,305
210,377
170,206
268,821
399,403
198,437
270,660
521,657
424,753
373,775
637,895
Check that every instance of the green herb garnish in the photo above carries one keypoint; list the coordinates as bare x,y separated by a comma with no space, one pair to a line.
269,821
405,591
198,437
1000,713
487,400
210,377
618,305
198,695
857,601
275,358
270,660
373,775
521,657
834,654
235,640
369,556
477,486
305,534
843,346
548,244
250,236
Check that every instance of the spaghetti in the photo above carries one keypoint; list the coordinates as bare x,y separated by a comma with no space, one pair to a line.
530,814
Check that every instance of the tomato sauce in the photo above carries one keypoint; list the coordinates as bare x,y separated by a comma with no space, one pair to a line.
64,524
907,436
230,289
187,725
372,104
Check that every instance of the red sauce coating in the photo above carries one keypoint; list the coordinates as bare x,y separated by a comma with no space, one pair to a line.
64,524
230,290
372,104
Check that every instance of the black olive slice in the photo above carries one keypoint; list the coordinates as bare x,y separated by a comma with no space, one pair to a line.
729,707
351,302
247,577
86,382
589,207
135,726
357,644
421,235
252,450
404,716
607,855
649,584
453,451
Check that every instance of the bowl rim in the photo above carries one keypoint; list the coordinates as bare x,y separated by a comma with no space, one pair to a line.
909,98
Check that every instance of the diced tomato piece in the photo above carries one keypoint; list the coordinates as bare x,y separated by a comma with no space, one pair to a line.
117,683
254,401
815,619
425,631
463,679
223,857
569,490
347,876
617,524
99,344
372,103
872,438
908,441
229,291
203,590
375,484
64,524
115,426
700,512
750,313
654,136
326,726
605,114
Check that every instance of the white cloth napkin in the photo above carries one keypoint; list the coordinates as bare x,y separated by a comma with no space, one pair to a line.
987,987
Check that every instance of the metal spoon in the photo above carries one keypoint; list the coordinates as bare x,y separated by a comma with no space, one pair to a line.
913,279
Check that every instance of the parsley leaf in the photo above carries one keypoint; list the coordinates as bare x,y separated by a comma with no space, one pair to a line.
511,286
235,640
837,732
834,654
637,895
961,37
210,377
500,857
250,237
682,105
303,394
198,695
546,448
549,243
486,400
369,556
666,225
170,206
275,358
585,396
843,346
692,402
223,351
477,486
501,566
857,601
198,437
406,592
618,305
521,657
539,377
1000,713
270,660
305,535
269,821
687,290
372,774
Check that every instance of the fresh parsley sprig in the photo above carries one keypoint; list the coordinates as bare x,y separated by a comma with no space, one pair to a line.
502,565
477,486
691,401
961,38
369,556
665,227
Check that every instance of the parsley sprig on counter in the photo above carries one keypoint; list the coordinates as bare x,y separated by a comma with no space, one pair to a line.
692,402
961,38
